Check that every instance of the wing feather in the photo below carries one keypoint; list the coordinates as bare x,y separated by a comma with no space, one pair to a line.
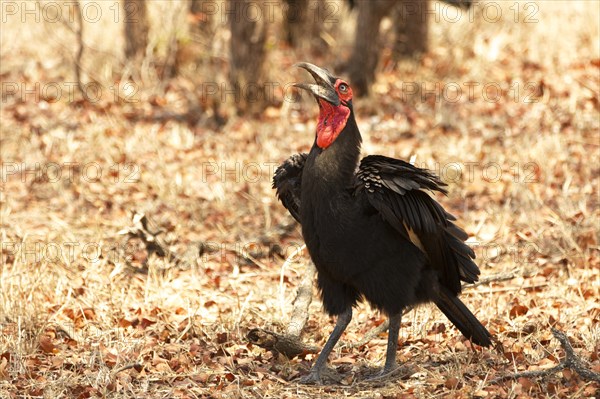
287,181
398,191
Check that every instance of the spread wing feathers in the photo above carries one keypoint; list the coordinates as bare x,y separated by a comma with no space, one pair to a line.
397,190
287,181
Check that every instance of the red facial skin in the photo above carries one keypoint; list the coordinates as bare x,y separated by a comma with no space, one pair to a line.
332,119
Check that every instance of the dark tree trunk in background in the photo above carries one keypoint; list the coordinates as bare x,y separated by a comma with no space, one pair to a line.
198,49
196,6
365,54
303,22
295,16
411,28
136,29
248,36
203,12
410,21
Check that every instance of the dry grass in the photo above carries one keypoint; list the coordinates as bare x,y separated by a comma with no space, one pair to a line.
77,313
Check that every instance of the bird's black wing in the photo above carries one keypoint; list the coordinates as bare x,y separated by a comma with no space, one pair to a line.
287,181
397,190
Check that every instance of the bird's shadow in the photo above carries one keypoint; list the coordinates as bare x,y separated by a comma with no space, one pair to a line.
365,375
370,375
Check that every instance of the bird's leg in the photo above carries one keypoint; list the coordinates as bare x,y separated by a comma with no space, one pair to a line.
392,346
314,376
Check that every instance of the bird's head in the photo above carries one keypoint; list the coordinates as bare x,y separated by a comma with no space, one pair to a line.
334,97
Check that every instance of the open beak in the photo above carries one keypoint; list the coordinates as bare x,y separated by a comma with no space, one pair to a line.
323,88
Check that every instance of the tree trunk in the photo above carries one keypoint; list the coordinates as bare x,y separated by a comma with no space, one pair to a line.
294,20
196,6
136,29
365,55
203,12
248,37
411,28
410,19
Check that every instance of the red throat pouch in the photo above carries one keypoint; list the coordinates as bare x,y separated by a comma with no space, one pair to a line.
332,120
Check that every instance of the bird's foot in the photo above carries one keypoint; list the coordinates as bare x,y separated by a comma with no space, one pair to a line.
312,378
321,377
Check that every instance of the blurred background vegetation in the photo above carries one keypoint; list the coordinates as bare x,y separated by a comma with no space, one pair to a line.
233,57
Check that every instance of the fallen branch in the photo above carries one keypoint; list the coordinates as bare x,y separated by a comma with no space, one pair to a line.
302,302
519,272
517,288
492,279
290,344
143,229
137,366
140,229
374,332
571,361
371,334
285,265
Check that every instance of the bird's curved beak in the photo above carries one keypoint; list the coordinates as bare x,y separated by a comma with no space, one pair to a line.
324,83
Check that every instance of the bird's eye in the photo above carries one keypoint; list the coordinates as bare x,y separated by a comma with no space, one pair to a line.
343,87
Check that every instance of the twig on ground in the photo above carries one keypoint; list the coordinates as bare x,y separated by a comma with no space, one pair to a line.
571,361
288,345
519,272
302,302
285,265
374,332
140,229
492,279
517,288
143,229
137,366
371,334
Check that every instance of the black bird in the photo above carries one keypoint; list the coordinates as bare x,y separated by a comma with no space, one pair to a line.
371,229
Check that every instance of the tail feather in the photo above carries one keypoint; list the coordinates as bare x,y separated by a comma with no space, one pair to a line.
462,318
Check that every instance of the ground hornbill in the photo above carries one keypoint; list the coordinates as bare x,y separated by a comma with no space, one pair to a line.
372,230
